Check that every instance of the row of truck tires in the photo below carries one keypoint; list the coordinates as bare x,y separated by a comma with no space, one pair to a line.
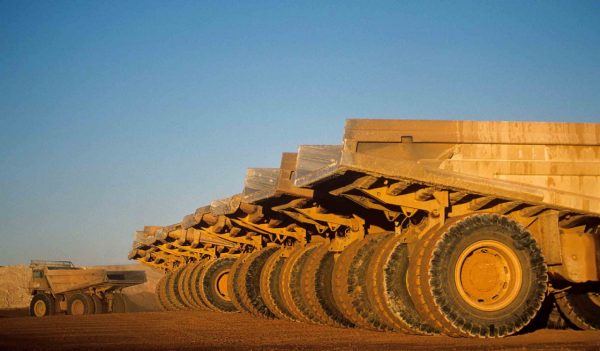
79,303
477,276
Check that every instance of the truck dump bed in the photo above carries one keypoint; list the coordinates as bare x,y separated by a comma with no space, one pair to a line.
556,164
64,280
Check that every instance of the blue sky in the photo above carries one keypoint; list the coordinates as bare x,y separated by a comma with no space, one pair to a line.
117,114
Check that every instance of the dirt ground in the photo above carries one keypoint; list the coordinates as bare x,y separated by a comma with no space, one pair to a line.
211,330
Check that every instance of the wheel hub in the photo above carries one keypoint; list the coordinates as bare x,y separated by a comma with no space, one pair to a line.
39,308
488,275
77,308
221,285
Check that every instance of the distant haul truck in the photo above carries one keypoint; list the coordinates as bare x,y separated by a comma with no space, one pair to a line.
59,286
462,228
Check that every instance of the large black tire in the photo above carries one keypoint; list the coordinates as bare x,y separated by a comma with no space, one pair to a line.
214,285
194,284
415,288
233,287
42,305
269,285
290,286
119,303
162,291
387,290
183,286
173,293
555,319
481,276
350,284
250,272
581,305
317,288
548,317
159,297
80,304
99,304
339,283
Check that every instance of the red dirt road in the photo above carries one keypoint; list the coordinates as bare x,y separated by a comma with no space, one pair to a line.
209,330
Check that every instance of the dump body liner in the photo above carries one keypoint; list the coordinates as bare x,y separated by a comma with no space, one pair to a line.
377,139
267,183
62,281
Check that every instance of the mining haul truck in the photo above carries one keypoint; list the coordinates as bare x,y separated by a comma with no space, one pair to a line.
59,286
462,228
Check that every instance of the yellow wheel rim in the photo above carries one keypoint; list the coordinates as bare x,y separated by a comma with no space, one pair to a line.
77,308
488,275
221,285
39,308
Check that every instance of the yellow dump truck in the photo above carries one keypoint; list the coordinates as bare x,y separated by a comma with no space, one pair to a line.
462,228
59,286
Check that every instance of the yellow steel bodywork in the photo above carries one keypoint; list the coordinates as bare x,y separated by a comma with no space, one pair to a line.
549,170
546,176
